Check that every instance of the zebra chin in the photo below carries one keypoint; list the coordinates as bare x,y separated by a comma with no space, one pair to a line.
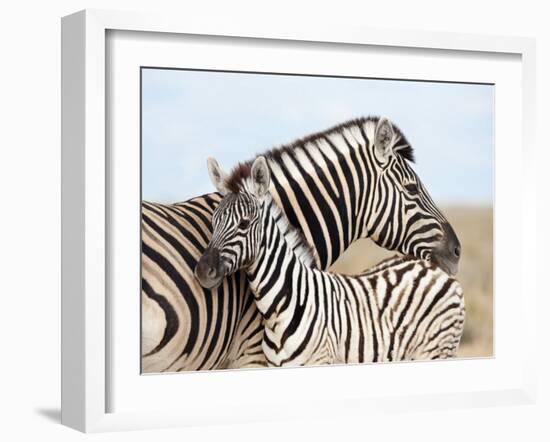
447,265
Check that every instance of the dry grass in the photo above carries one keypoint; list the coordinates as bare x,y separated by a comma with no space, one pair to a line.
474,227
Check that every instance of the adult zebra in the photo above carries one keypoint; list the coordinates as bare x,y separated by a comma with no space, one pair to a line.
349,182
403,309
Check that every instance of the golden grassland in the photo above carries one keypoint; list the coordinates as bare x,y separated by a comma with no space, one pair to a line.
474,227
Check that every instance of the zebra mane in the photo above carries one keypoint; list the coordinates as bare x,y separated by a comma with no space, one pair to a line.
293,236
235,180
402,146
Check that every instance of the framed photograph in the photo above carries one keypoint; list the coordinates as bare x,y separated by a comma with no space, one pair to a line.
319,215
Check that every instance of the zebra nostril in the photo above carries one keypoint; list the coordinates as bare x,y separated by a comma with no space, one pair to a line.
212,273
457,252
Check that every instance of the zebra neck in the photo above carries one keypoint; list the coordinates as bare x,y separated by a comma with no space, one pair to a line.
282,251
325,186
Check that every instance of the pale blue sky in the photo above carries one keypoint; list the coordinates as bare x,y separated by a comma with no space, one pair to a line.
190,115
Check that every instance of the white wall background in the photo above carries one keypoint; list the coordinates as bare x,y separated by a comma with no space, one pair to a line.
30,214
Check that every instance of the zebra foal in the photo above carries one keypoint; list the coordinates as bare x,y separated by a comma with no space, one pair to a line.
403,309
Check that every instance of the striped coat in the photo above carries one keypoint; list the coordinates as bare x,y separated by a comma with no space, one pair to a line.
335,186
403,309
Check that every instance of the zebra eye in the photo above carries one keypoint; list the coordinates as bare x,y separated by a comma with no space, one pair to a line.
244,224
412,188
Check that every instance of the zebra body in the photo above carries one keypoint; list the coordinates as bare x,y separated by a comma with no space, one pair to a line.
403,309
352,181
366,318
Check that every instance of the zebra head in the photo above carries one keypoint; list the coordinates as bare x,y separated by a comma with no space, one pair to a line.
236,223
403,215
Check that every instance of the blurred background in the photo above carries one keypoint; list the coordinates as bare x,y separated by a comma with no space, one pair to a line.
190,115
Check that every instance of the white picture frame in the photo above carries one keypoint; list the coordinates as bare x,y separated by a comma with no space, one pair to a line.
87,205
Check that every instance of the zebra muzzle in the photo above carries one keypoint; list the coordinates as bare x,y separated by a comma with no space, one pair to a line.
447,254
208,270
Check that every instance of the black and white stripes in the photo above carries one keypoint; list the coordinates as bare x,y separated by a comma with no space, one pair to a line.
404,309
352,181
185,327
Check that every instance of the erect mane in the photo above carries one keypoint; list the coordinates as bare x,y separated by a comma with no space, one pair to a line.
402,146
294,237
235,180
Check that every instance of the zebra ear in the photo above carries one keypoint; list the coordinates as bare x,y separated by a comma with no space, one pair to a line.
384,137
217,175
261,177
